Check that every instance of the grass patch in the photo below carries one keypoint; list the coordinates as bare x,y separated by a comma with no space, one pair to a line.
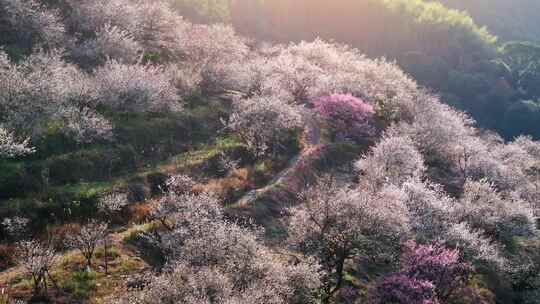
80,284
132,233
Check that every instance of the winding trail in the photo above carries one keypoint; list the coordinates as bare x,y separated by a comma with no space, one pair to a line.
311,144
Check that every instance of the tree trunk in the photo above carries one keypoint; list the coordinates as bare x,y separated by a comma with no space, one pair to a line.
106,258
339,279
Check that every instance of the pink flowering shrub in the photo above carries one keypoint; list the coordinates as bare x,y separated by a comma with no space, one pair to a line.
400,288
437,264
429,274
348,116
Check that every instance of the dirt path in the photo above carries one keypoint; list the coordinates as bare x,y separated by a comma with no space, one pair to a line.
312,139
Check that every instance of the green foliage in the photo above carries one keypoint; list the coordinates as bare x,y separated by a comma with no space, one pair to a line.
520,63
510,20
339,154
430,70
14,179
90,165
522,118
80,284
387,27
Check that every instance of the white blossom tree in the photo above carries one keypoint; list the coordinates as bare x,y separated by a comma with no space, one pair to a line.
110,43
261,122
32,24
135,88
110,204
393,160
482,207
335,225
303,72
37,258
9,147
211,259
475,245
431,210
44,88
35,255
152,24
87,239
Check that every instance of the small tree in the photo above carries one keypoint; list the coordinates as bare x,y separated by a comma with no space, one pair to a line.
37,258
87,239
113,202
110,204
16,227
348,116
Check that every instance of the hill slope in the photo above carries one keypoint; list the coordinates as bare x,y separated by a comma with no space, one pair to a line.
146,159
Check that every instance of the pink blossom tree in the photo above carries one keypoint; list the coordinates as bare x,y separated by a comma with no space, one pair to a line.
429,274
347,116
402,289
435,263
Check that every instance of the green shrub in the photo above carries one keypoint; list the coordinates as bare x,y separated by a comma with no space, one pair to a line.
157,182
11,179
80,284
91,165
339,154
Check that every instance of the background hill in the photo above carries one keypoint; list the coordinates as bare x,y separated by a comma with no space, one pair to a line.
509,20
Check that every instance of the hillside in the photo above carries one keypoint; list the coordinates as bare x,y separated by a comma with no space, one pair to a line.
148,159
510,20
443,49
